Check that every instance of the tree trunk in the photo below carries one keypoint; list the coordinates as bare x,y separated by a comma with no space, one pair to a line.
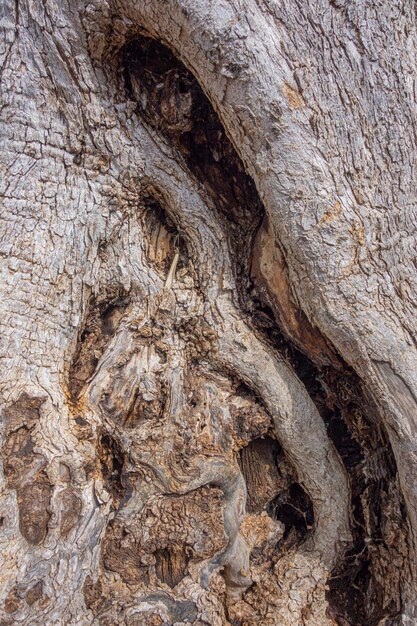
208,351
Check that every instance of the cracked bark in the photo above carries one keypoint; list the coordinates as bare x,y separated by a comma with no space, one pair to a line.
208,360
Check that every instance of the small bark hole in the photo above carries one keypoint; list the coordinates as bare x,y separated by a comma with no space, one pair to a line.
162,240
147,406
101,322
294,509
112,463
171,565
258,463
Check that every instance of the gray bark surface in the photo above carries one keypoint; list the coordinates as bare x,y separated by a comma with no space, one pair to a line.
208,354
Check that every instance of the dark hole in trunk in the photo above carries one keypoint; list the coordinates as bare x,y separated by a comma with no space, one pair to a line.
293,508
258,463
162,237
101,322
170,99
112,463
171,565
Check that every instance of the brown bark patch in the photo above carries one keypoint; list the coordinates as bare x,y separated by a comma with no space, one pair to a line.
33,501
271,276
18,455
12,602
25,410
293,96
24,469
111,458
92,593
165,536
35,593
70,511
120,553
194,520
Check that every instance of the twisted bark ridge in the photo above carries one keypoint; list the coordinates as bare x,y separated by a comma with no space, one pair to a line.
208,365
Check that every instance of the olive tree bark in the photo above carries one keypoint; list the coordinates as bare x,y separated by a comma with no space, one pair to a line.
208,355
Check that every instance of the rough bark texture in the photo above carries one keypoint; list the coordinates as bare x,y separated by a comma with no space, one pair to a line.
208,358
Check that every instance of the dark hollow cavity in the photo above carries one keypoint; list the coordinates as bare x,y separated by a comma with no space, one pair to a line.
171,565
293,508
162,239
101,322
170,100
112,461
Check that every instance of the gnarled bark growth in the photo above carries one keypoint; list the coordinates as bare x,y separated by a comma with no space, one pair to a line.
191,434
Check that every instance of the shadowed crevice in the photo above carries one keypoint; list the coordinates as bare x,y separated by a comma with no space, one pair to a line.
101,322
169,98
